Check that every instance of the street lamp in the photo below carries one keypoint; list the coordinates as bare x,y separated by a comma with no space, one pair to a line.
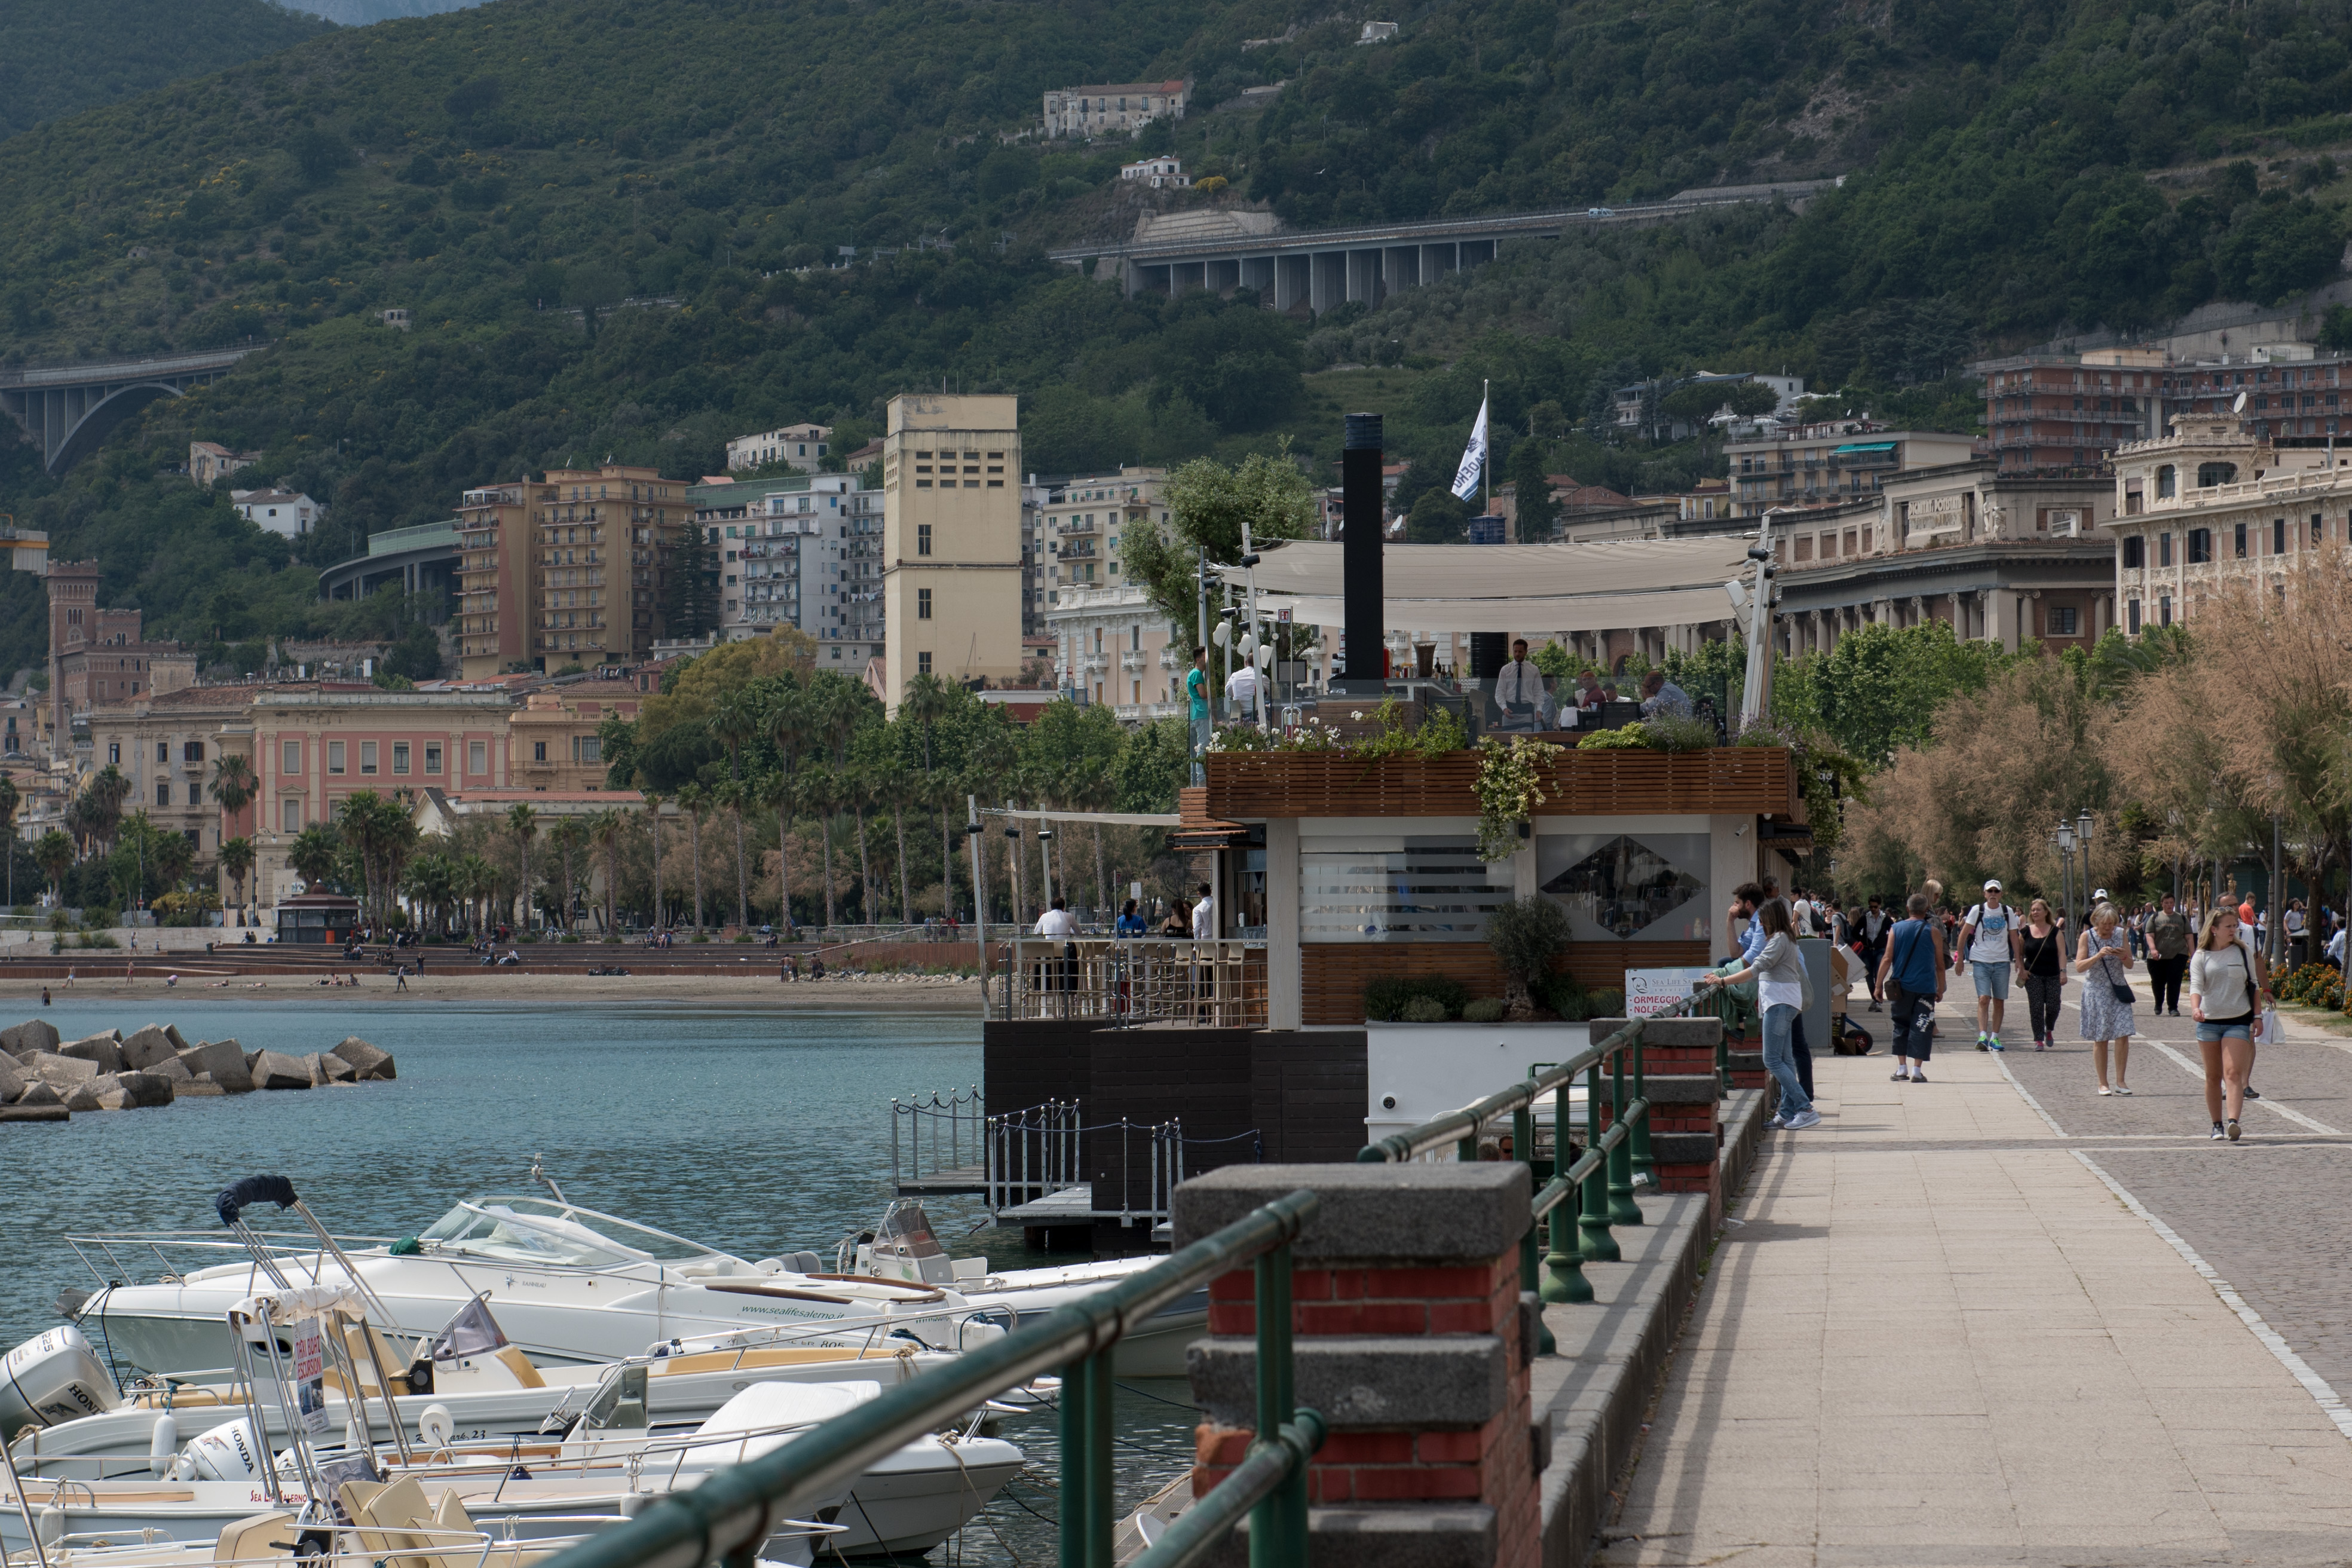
2063,838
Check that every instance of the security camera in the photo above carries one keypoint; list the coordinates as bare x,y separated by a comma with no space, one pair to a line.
1388,1102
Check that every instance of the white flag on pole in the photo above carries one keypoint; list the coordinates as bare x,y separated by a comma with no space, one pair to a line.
1474,457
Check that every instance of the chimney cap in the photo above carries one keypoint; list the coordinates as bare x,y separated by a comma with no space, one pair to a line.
1364,432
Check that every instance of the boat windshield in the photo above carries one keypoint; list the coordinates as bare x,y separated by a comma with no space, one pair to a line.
525,1229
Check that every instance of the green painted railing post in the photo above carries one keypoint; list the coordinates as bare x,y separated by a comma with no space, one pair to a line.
1564,1277
1598,1246
1278,1522
1723,1062
1623,1209
1077,1485
1523,1141
1644,1168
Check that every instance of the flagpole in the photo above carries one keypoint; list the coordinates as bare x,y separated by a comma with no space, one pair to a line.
1486,458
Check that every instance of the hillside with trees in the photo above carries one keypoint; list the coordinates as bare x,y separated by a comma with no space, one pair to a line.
617,231
56,60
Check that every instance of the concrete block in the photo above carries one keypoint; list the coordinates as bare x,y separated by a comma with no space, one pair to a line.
1685,1031
148,1047
274,1069
1687,1088
311,1064
175,1069
200,1086
1415,1535
179,1041
334,1068
1354,1381
1434,1213
13,1079
1681,1148
33,1035
250,1059
221,1061
64,1072
368,1062
20,1112
142,1088
105,1050
40,1092
98,1093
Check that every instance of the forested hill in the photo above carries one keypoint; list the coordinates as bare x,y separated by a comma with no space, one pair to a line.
57,59
510,174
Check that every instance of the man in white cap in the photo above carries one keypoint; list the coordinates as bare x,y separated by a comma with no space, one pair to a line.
1988,937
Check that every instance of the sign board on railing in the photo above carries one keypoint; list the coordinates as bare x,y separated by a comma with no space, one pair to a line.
1649,992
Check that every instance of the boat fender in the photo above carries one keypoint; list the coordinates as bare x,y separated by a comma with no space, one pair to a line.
975,1333
53,1377
226,1453
435,1425
162,1446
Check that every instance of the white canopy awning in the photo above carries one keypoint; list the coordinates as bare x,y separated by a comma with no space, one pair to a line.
1599,587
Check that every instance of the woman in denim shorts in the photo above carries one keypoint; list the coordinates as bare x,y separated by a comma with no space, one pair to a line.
2228,989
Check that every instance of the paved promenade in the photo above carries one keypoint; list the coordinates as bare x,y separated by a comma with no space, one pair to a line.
1999,1318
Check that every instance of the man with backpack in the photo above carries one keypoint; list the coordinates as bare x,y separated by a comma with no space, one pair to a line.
1988,938
1911,975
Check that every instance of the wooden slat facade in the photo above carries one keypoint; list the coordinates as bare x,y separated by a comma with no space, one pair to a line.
1735,780
1335,973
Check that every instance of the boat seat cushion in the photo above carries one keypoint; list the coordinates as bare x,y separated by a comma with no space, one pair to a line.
515,1361
393,1522
257,1538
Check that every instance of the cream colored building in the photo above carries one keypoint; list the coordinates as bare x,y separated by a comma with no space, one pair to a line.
2215,503
952,539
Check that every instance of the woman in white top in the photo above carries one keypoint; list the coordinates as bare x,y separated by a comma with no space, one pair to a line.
1778,971
2228,989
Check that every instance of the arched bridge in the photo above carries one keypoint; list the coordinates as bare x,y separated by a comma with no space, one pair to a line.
67,409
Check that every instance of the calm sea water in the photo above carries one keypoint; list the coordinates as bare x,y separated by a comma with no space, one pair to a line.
756,1131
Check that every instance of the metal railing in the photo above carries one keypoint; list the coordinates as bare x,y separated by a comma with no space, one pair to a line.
1034,1153
945,1130
1616,1159
1137,980
728,1516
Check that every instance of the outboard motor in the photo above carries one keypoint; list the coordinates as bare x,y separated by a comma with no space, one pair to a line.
226,1453
53,1378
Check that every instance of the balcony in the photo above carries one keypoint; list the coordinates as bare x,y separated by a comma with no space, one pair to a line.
1135,661
1172,657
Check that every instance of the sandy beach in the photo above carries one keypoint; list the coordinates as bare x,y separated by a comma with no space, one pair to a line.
758,985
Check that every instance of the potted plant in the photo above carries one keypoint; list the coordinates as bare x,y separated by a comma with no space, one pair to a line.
1526,936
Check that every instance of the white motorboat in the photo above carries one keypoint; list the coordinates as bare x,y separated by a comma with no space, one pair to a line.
910,1502
568,1284
904,1248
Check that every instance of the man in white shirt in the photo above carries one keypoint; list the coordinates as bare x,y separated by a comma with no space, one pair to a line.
1989,936
1520,691
1205,917
1057,921
1240,694
1060,973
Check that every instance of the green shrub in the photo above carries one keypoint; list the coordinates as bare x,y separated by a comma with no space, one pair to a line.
1631,737
1607,1005
1384,998
1678,732
1565,994
1484,1010
1423,1010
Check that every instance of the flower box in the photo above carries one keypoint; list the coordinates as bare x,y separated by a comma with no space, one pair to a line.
1731,780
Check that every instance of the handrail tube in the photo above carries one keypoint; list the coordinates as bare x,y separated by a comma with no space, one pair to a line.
735,1508
1197,1530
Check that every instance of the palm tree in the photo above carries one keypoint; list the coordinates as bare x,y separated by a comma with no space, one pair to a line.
820,787
428,883
569,838
522,822
928,700
605,830
730,795
236,859
234,787
53,852
776,791
653,804
890,780
314,853
736,719
691,798
474,879
857,785
107,790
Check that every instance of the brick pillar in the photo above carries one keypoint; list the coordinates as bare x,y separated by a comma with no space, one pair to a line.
1413,1344
1686,1126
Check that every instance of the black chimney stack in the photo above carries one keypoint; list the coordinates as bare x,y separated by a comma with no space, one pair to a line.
1361,512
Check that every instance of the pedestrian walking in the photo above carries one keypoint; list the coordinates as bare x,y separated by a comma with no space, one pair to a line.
2041,966
2295,930
1989,936
1875,925
1911,976
2169,934
1782,991
2103,959
2228,989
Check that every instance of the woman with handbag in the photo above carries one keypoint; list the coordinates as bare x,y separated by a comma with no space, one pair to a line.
2043,946
2228,989
2104,960
1782,990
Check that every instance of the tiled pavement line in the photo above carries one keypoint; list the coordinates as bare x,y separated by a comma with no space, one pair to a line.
2058,1387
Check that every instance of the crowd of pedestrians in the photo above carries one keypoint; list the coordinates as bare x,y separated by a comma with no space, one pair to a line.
2216,954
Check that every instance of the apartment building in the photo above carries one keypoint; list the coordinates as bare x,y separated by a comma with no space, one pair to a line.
97,657
554,740
167,744
570,569
1831,463
209,460
290,513
801,549
950,565
1109,645
2066,416
802,446
1123,108
2216,502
